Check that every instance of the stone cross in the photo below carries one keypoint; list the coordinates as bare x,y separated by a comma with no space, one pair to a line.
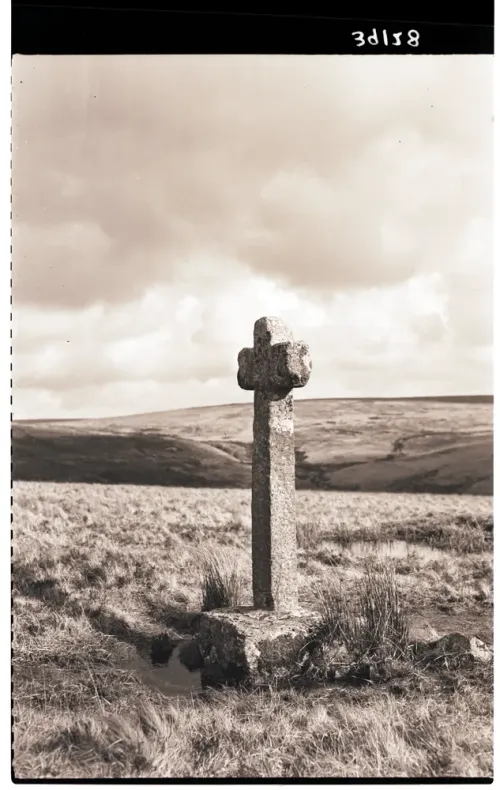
272,368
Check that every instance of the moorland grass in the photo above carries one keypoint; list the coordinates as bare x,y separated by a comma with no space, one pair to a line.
372,622
340,732
100,572
221,586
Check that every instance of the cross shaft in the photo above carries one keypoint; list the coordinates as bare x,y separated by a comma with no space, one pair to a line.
273,368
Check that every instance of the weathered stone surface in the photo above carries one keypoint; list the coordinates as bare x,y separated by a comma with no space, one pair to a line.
279,368
250,645
272,369
454,648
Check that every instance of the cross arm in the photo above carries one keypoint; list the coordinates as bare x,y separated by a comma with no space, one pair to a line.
291,365
246,369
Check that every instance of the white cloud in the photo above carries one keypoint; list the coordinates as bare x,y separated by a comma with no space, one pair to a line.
372,341
161,205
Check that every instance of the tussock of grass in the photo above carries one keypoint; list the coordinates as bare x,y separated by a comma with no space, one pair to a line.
220,588
371,621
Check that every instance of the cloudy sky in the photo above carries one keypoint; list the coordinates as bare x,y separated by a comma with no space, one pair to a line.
162,204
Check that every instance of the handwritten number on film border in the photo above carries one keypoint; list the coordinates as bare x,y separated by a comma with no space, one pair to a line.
373,39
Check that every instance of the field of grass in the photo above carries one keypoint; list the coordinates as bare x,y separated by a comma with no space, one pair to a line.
102,571
440,445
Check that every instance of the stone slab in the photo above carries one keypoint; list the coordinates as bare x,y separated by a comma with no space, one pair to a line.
248,645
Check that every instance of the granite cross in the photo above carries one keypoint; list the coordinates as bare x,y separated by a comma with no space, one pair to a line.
272,368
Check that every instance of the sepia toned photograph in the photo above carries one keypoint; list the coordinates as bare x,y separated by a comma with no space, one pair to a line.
252,429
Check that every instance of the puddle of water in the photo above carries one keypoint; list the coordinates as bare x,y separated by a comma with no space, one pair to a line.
398,549
172,679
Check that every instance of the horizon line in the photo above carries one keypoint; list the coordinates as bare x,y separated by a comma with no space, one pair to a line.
488,396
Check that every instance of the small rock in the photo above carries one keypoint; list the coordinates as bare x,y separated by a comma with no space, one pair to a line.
455,647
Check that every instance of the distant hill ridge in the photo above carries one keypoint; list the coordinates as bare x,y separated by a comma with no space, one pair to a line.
443,398
434,444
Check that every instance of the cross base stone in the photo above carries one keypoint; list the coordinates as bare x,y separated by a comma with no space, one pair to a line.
248,646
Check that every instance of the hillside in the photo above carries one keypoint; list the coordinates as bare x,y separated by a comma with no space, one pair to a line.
415,445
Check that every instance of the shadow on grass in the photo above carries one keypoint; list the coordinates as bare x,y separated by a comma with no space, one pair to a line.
43,453
133,459
57,599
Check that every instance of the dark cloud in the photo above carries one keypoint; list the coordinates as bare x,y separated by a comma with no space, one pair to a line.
290,165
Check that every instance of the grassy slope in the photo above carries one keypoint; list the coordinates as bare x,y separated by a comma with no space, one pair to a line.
99,571
445,445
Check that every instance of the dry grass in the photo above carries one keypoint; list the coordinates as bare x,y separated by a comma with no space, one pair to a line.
332,733
100,572
221,588
372,622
